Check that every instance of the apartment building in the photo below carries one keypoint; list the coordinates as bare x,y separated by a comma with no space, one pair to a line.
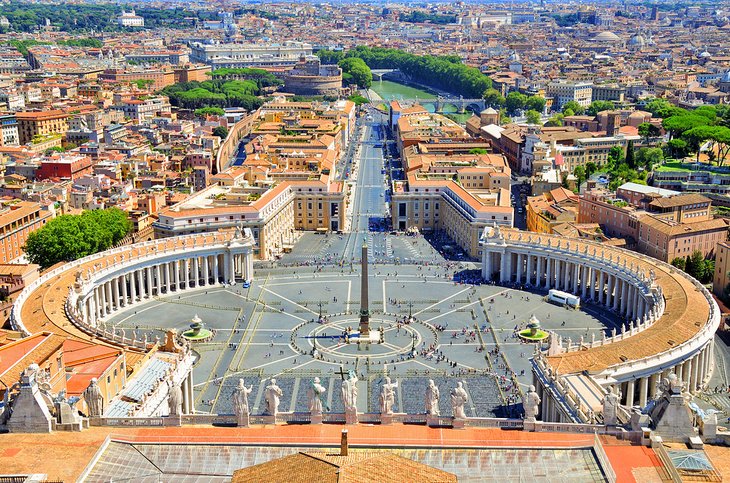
40,123
551,208
565,91
17,221
659,223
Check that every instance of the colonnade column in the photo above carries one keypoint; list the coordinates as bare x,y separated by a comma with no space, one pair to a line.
630,394
518,272
132,288
601,282
486,270
176,270
643,391
694,373
196,271
123,281
168,275
115,293
540,267
624,295
503,276
232,268
206,271
216,278
529,268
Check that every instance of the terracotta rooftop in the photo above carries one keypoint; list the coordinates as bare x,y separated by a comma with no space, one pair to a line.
357,467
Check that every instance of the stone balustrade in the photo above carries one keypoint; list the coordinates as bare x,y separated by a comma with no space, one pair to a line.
670,317
103,283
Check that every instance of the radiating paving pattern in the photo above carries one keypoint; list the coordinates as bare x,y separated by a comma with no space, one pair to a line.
203,463
266,331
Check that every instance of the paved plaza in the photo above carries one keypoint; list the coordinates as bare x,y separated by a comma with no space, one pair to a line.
459,332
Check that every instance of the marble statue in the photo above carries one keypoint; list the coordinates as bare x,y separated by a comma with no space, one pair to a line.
432,399
314,395
240,400
174,399
94,399
273,394
387,396
610,402
531,404
348,392
459,397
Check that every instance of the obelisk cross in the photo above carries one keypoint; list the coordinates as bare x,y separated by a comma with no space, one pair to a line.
364,312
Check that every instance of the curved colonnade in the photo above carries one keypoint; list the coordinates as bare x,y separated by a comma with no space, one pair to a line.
671,318
89,290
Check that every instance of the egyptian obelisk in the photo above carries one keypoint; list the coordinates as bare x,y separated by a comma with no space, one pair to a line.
364,312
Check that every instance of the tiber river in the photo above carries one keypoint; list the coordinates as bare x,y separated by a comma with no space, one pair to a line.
389,90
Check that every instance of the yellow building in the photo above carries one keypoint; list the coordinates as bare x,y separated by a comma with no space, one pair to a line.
551,208
40,123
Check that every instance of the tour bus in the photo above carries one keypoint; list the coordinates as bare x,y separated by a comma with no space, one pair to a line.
563,298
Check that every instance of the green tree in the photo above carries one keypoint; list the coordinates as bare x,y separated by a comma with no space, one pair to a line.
679,262
580,173
514,102
649,157
677,125
533,117
599,106
221,132
209,111
358,71
358,99
719,135
328,57
493,98
535,103
676,148
555,121
648,130
630,155
477,151
695,265
659,107
590,168
576,108
616,155
69,237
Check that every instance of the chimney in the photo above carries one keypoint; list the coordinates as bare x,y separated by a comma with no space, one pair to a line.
343,443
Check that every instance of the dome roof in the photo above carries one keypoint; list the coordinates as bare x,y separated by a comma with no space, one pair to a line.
637,40
607,36
705,54
726,77
515,57
488,110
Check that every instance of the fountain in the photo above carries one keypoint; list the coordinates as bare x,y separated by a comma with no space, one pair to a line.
533,332
197,331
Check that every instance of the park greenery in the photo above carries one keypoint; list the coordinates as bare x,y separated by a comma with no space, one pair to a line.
355,71
514,102
690,130
445,72
417,16
209,111
358,99
696,266
215,93
260,76
69,237
96,16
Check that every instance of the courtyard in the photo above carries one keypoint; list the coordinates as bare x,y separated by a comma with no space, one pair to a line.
290,324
